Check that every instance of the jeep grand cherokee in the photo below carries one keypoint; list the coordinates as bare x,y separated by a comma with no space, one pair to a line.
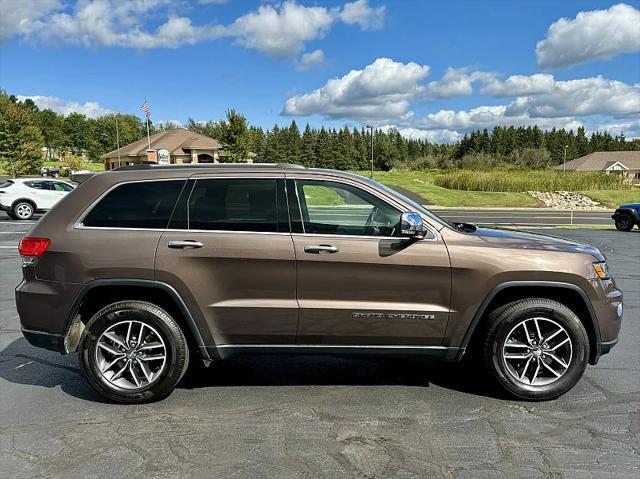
146,268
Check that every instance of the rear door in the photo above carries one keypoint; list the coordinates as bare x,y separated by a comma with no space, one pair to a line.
359,283
228,252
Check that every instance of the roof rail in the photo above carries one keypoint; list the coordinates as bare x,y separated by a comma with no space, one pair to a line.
155,166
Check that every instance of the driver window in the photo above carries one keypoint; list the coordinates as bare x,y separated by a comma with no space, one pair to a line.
335,208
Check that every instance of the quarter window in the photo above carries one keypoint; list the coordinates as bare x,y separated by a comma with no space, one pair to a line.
235,205
136,205
60,186
339,209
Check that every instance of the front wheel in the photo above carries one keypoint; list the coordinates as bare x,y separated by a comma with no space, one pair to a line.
624,223
133,352
536,349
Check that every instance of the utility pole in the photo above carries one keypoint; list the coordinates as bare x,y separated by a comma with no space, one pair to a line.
118,140
564,163
371,128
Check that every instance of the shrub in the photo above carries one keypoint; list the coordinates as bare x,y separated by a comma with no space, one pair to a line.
528,180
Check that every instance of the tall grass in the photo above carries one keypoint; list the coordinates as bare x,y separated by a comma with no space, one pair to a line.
528,180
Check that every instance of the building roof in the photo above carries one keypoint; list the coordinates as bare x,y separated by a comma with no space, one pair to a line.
601,160
177,141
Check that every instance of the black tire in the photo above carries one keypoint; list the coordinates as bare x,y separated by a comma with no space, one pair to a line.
505,322
624,222
158,322
23,210
11,215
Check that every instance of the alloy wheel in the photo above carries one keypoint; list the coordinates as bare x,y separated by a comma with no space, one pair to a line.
131,355
24,211
537,351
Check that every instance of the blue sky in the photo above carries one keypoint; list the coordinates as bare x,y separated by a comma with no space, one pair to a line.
432,69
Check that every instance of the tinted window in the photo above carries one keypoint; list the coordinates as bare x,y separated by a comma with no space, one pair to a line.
136,205
336,208
37,185
59,186
234,205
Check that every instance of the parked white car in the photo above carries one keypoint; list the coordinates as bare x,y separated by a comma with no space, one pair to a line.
21,198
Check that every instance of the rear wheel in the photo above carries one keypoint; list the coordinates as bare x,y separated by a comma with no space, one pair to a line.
624,222
536,349
23,210
133,352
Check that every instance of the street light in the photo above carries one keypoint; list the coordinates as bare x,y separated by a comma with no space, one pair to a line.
371,127
564,163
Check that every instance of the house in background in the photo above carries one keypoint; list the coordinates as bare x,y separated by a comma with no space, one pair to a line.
182,146
626,163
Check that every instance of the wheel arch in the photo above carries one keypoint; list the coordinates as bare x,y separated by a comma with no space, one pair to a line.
98,293
25,200
568,294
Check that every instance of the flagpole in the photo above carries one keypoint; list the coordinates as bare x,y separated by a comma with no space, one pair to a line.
148,137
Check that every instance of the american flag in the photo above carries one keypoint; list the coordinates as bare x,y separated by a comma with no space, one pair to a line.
145,108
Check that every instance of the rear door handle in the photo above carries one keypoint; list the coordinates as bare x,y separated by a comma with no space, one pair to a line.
320,249
185,244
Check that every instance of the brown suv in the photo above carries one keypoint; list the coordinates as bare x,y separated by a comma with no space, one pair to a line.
140,269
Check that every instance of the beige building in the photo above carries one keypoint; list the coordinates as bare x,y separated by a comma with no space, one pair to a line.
182,146
626,163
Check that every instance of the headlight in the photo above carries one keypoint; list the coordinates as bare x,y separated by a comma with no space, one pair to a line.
602,270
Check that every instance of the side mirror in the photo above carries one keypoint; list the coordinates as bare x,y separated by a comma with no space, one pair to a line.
412,226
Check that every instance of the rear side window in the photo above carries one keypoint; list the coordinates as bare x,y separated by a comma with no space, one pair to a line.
37,185
136,205
235,205
6,184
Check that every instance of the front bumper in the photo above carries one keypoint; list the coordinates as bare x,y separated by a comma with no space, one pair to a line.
607,303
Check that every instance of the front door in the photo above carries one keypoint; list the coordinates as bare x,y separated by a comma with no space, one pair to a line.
359,282
229,253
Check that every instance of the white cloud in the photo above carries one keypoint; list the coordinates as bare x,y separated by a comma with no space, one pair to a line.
593,35
359,12
455,82
631,129
587,96
488,117
18,16
281,32
91,109
381,90
519,85
117,24
432,136
311,59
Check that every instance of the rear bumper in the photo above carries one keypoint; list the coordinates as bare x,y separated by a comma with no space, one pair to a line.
43,307
42,339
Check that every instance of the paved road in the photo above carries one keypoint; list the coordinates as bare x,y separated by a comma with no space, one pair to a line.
540,217
322,417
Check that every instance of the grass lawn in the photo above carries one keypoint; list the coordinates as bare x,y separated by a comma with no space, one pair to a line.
421,182
614,198
85,166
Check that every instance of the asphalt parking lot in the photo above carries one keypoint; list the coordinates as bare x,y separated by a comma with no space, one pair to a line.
325,417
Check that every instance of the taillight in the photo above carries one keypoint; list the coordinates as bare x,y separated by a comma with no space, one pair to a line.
30,246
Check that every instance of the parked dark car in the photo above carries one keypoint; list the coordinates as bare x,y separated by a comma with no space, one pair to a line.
626,216
145,268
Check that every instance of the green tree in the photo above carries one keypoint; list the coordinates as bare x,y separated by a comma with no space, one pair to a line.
21,141
234,135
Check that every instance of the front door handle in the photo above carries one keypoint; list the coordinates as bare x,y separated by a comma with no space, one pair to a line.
185,244
320,249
